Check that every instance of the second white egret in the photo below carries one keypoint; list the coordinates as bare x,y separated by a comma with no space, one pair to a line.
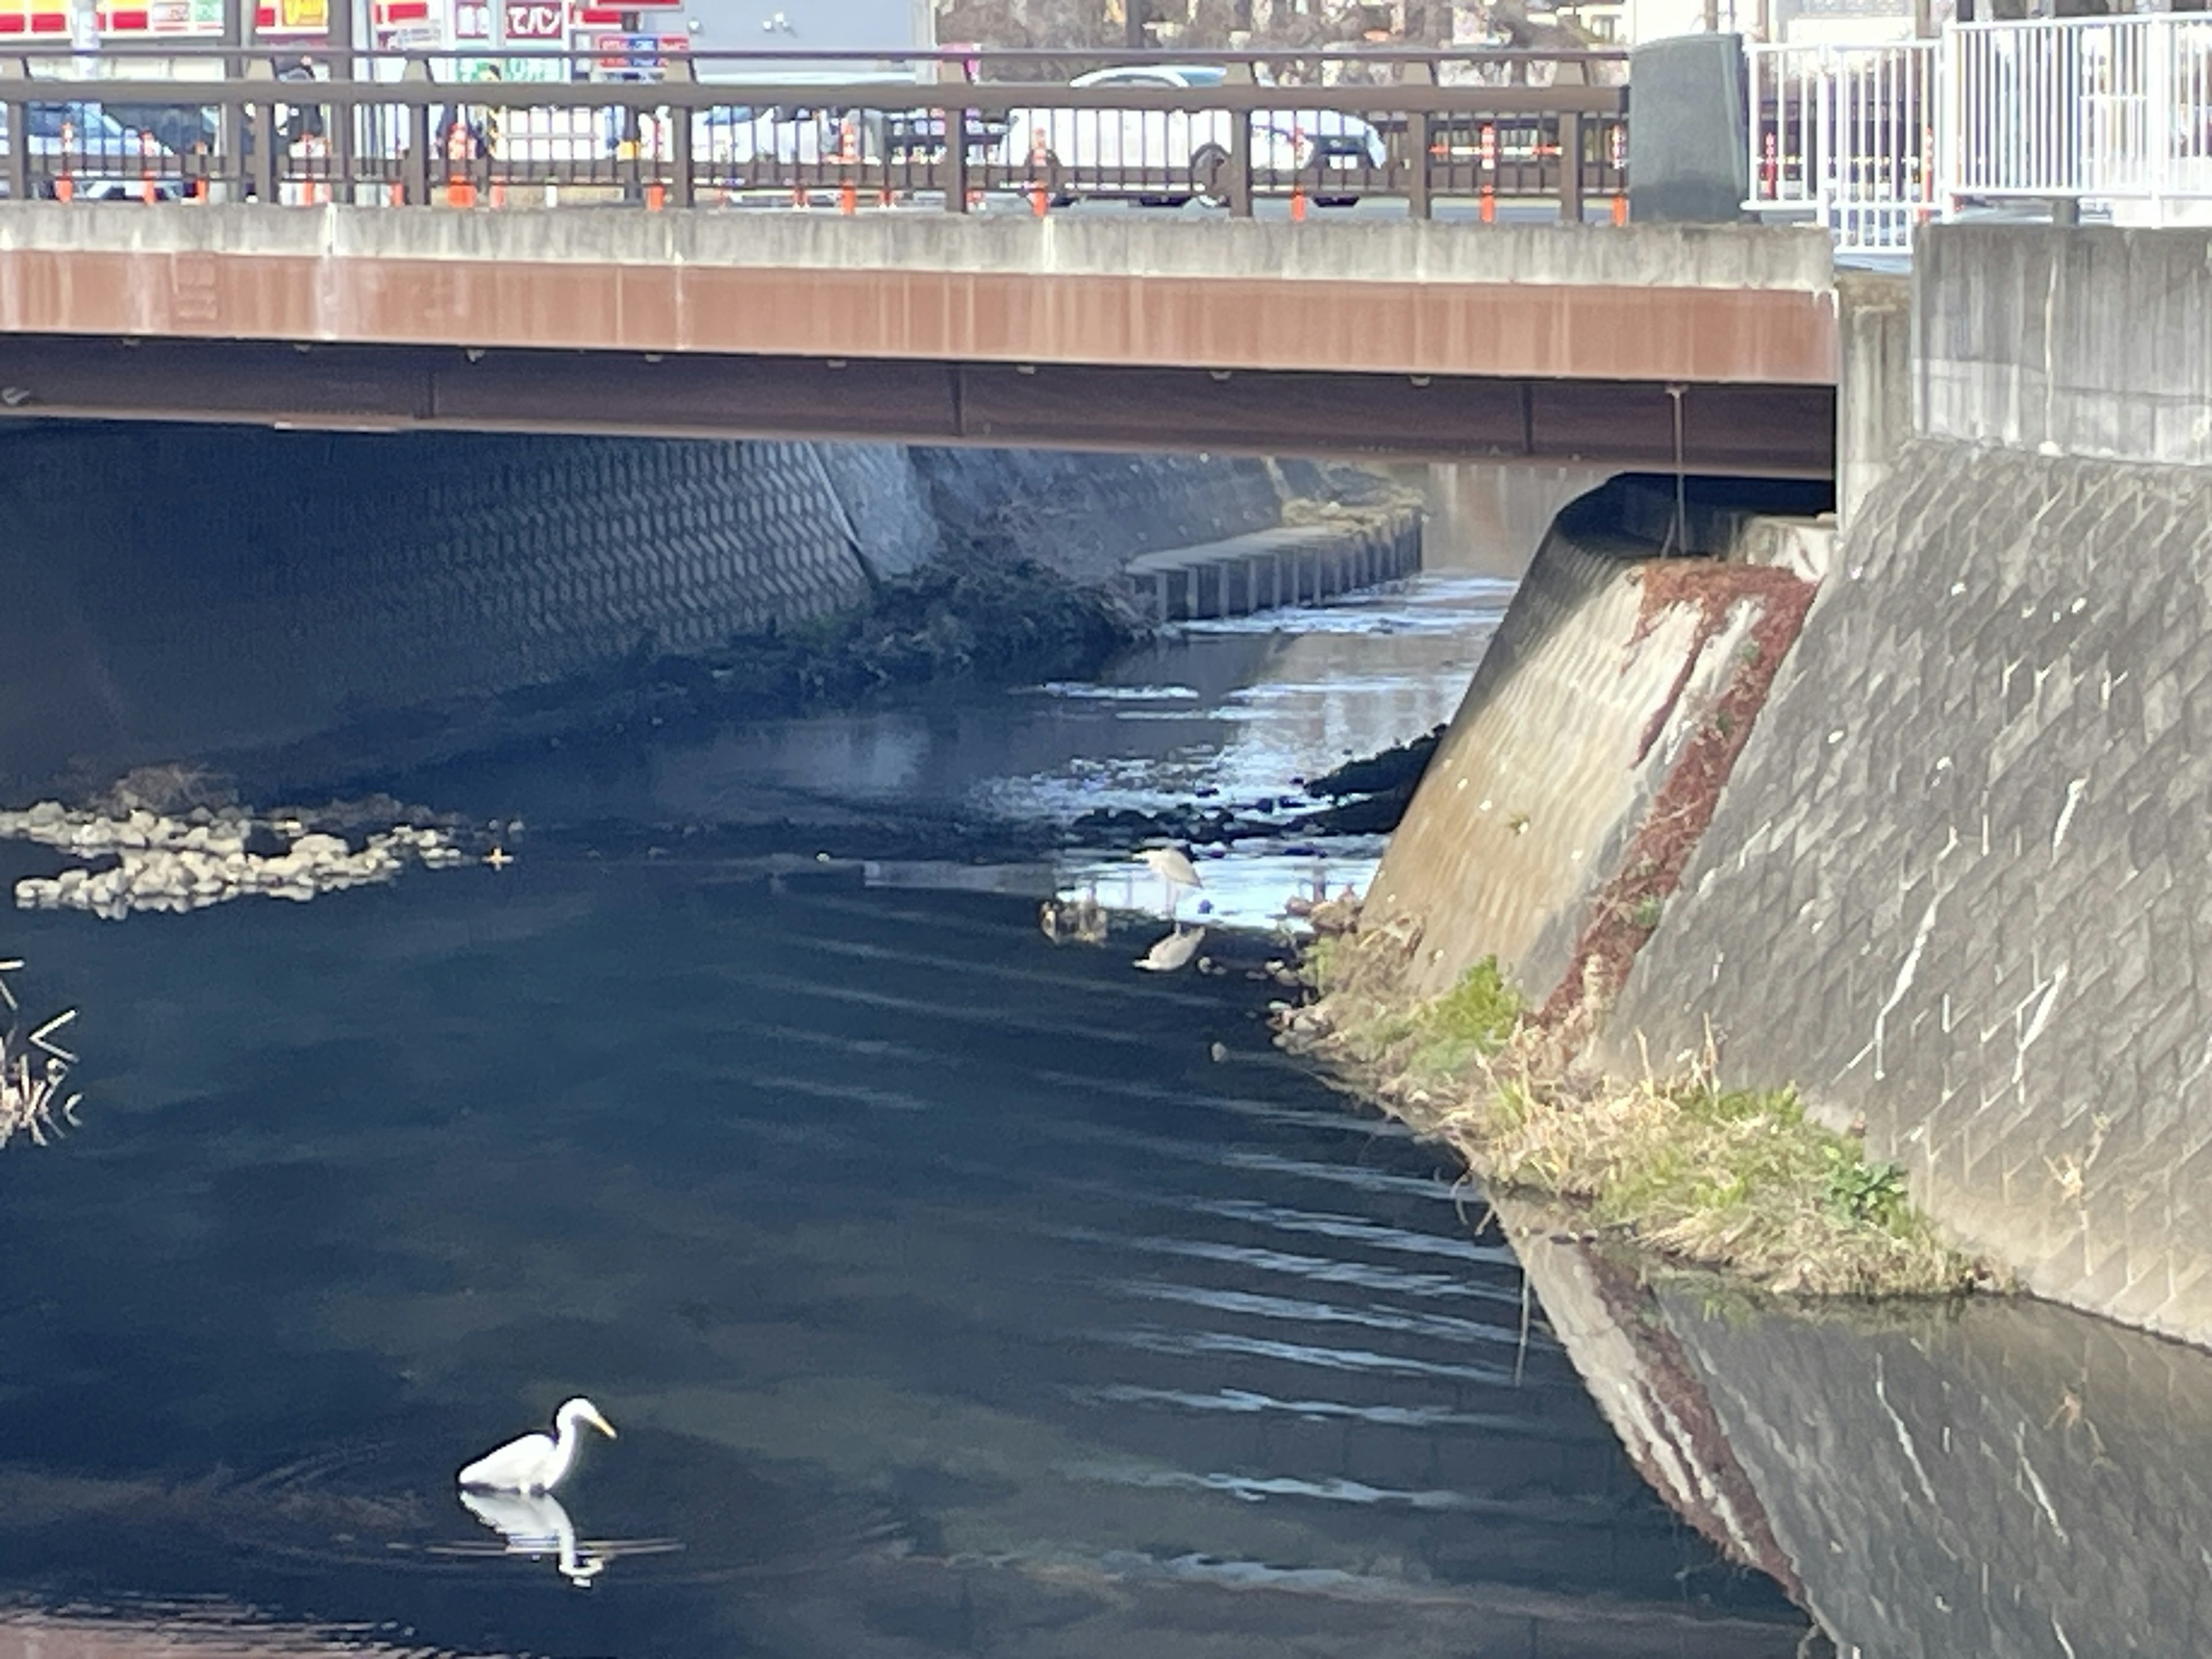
1173,866
536,1462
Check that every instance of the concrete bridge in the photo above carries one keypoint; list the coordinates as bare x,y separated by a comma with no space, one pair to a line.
1638,347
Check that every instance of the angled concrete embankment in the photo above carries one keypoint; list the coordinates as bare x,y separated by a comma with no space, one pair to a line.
1960,885
1605,672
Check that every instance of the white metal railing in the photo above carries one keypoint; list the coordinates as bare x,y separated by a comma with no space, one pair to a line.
1868,141
2116,110
1845,136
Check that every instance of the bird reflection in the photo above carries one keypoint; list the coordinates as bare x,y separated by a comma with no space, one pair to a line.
534,1525
1172,951
1083,920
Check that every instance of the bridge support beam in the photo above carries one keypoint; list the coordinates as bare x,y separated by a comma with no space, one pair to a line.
1744,430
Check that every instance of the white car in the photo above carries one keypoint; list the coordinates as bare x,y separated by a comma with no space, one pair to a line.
1171,156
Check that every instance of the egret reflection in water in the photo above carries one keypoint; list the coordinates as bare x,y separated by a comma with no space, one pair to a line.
536,1525
1172,951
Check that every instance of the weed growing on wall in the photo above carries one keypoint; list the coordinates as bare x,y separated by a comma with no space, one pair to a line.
1733,1178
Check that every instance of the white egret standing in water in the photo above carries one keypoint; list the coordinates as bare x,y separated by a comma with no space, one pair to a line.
1174,868
536,1462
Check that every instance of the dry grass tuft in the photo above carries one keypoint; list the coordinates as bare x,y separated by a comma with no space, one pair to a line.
1732,1178
34,1076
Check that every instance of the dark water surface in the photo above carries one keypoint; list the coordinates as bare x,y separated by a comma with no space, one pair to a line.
953,1291
949,1294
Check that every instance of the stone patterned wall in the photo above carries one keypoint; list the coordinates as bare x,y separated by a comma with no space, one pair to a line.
232,585
1089,514
1960,885
178,589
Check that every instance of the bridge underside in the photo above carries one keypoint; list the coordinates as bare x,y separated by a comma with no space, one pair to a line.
1783,431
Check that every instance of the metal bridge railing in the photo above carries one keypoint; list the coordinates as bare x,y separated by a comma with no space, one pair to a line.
405,130
2112,114
2113,110
1845,136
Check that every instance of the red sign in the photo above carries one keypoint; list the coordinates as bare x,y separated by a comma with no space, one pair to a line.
537,20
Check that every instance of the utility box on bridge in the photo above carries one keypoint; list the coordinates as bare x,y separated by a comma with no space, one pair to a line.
889,26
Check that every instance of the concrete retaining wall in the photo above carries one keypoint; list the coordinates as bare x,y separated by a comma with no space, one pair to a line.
1960,885
176,590
1290,564
1583,705
2075,342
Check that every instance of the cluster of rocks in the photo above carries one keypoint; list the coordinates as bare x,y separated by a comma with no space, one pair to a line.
206,857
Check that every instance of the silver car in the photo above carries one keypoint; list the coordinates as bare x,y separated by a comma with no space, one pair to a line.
1172,156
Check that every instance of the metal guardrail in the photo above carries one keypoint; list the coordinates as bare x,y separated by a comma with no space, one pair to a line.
2112,113
393,131
2116,110
1845,136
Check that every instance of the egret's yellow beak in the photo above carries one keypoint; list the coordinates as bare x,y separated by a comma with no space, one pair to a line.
603,1425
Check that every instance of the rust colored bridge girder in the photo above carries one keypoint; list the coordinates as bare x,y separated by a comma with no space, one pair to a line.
1364,327
1378,338
1748,431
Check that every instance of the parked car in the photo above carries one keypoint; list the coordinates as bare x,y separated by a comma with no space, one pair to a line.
102,158
1136,152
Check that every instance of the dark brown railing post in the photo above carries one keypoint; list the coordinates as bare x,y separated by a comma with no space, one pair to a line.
232,132
1571,166
260,71
1417,205
1240,147
417,174
14,72
339,130
683,191
956,161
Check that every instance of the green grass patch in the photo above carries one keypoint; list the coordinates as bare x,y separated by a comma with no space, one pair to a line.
1740,1179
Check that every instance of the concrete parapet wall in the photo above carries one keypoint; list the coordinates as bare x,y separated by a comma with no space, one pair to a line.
2075,341
1873,396
1709,306
1960,885
1636,256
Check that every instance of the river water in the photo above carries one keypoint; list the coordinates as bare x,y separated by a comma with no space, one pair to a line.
952,1290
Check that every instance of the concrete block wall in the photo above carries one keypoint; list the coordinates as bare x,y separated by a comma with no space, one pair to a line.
175,589
231,586
1089,514
1961,885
